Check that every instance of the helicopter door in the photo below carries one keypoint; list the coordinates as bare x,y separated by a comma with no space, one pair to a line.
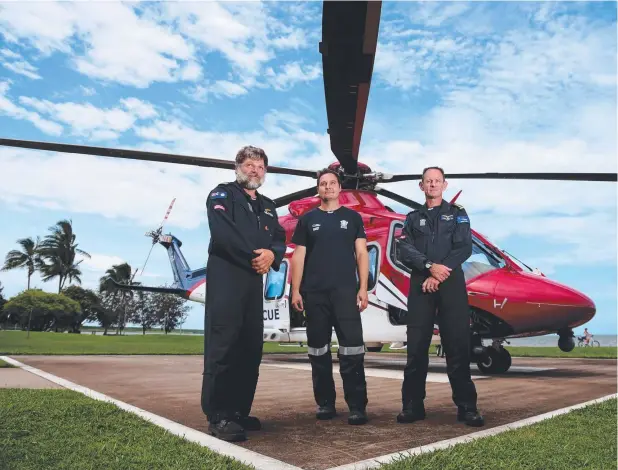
393,288
276,312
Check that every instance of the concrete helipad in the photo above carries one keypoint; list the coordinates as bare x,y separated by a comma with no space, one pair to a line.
169,386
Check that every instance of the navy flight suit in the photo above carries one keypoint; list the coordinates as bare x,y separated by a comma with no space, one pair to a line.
441,235
234,324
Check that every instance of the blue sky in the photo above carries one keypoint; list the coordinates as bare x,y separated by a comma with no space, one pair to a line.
496,86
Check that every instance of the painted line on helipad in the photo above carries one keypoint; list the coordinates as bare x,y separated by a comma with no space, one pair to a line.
259,461
388,458
434,377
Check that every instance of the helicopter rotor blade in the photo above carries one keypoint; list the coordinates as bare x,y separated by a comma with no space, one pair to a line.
348,48
396,197
512,176
143,155
283,200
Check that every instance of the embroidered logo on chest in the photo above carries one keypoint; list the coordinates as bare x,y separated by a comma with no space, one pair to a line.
344,224
315,227
422,222
446,217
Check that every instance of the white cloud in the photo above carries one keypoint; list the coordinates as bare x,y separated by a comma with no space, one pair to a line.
150,52
291,73
24,68
98,262
85,119
8,108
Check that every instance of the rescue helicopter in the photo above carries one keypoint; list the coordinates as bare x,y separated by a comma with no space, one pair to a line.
507,298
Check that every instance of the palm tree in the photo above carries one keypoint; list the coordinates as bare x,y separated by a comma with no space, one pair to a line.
58,251
120,273
28,257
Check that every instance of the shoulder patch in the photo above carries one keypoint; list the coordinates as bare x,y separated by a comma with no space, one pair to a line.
218,194
462,219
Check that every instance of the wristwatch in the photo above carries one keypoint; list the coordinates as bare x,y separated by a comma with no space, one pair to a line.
428,264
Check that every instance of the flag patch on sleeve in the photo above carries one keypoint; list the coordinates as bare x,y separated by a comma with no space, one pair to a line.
218,195
219,206
462,219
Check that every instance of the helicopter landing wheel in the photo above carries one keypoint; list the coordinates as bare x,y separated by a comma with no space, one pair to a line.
496,361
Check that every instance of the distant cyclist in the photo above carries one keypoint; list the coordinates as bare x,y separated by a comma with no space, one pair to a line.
587,336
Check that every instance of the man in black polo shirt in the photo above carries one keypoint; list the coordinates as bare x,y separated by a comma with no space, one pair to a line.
330,245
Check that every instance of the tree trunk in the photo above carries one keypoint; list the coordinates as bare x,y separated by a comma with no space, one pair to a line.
59,284
29,280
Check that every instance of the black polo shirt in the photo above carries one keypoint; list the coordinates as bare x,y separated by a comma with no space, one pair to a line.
330,261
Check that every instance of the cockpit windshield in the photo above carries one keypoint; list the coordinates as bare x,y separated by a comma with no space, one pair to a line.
519,263
483,258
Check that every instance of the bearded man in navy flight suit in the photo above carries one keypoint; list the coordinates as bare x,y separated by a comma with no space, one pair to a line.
246,241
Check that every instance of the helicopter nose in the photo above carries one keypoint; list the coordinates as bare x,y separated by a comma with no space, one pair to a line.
575,307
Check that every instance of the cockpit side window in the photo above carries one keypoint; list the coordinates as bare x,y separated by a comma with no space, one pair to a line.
275,282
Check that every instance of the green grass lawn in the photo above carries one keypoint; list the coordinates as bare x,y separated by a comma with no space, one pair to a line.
65,429
584,438
17,342
604,352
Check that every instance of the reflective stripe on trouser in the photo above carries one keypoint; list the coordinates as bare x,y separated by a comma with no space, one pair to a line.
337,309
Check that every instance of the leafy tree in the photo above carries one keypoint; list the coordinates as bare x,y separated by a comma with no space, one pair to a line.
2,302
42,310
143,310
171,310
58,251
89,302
28,257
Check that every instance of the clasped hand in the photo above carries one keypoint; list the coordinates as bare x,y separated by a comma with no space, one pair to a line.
262,263
439,274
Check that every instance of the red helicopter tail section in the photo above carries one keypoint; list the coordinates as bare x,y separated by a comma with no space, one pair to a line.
456,196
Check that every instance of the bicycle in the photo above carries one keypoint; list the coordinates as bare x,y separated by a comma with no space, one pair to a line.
592,343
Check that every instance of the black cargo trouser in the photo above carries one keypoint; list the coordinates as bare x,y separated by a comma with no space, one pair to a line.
336,308
451,302
233,339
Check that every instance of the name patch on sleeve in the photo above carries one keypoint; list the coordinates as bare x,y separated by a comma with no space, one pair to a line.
462,219
218,195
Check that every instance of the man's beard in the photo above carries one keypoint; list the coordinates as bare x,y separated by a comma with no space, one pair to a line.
245,180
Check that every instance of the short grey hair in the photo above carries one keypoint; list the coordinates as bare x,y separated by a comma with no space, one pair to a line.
254,153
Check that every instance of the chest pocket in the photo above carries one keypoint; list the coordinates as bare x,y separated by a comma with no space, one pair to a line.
421,229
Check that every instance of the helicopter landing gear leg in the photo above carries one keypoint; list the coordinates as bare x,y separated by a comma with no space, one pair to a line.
495,359
566,342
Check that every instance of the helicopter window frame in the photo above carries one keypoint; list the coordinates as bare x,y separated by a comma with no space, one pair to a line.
392,250
372,281
283,272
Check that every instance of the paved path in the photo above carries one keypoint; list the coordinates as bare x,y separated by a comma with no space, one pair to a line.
170,386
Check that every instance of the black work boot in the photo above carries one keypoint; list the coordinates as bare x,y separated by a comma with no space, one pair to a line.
411,414
227,430
357,417
470,416
250,423
326,412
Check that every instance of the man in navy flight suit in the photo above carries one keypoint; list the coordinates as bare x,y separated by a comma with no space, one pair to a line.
246,240
435,241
